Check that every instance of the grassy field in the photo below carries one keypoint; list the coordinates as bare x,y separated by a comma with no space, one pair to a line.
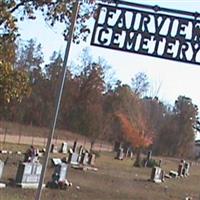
114,180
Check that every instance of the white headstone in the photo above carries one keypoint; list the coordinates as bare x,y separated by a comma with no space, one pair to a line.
1,168
120,154
85,158
60,173
64,147
157,175
173,174
74,159
28,174
56,161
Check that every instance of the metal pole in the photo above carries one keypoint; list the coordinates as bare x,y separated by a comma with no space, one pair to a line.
71,30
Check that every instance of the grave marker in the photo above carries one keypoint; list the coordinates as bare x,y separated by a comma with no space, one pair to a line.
85,158
173,174
120,154
92,158
74,146
73,158
186,168
181,168
54,149
2,185
64,148
157,175
28,174
60,173
56,161
80,152
1,168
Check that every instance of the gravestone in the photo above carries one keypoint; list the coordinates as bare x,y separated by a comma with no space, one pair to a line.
149,155
130,153
159,163
31,154
186,169
181,168
125,150
1,168
2,185
28,174
59,177
73,158
56,161
60,173
85,158
92,158
173,174
63,147
120,154
80,152
157,175
54,149
74,146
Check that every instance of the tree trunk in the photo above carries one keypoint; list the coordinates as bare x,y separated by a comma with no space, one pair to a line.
138,162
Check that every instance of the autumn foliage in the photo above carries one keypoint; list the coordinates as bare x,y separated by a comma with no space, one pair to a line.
130,130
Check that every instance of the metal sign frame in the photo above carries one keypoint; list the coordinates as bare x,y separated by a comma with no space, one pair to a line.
112,32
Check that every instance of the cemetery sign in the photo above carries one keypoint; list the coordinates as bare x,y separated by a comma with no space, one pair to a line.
159,34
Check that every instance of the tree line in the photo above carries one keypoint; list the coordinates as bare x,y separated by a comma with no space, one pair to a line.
93,105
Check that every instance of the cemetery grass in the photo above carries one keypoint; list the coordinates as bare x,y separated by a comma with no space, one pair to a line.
114,180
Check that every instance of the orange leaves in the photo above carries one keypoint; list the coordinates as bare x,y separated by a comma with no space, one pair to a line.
133,133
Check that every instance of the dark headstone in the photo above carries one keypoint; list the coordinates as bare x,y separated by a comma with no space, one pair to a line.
160,162
181,168
148,158
74,146
149,154
54,149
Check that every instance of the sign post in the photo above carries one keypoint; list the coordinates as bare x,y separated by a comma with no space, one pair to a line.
51,134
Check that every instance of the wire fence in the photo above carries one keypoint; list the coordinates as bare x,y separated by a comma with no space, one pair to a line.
7,137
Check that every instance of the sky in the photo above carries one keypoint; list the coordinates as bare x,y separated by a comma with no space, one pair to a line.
168,79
